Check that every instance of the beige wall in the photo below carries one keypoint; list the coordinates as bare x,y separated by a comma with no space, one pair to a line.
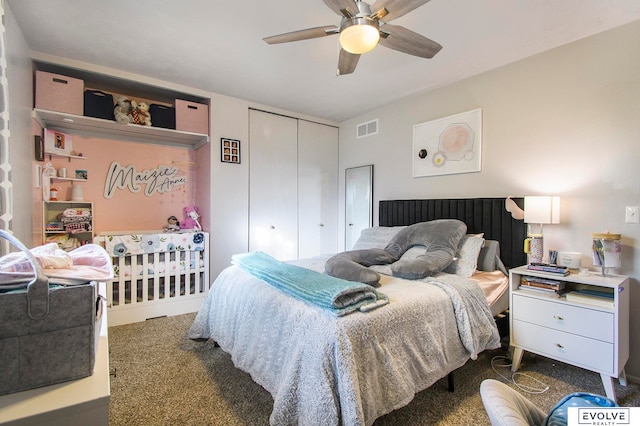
229,182
564,122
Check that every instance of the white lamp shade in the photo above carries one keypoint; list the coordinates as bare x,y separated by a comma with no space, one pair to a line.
359,38
542,209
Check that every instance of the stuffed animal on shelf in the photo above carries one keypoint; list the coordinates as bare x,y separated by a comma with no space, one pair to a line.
190,221
122,110
140,113
172,224
144,114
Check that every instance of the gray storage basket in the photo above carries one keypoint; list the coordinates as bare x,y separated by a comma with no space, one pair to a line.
47,332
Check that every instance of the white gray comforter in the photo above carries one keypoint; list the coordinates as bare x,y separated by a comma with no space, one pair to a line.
327,370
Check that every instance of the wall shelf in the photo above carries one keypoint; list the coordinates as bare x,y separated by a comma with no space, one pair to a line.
117,81
90,126
69,179
56,154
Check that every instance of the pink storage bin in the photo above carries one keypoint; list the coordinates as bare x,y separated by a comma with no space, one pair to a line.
192,117
60,93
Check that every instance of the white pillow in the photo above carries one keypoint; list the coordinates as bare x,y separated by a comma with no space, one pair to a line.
465,261
376,237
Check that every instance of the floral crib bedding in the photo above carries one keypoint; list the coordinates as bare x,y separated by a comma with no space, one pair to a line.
124,245
172,249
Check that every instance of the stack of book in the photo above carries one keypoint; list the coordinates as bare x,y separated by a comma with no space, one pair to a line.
592,297
549,269
542,285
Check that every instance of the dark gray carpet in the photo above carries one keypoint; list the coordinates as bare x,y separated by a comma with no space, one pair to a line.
163,378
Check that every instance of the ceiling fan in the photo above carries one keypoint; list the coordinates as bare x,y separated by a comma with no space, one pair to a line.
363,26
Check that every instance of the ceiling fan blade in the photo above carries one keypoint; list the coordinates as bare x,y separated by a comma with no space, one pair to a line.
347,62
396,8
338,5
302,34
406,41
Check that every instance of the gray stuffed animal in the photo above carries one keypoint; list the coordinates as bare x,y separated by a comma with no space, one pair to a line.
440,238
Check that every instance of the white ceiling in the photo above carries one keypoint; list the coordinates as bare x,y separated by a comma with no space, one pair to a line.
217,45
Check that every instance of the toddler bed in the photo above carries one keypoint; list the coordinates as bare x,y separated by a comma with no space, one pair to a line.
351,369
155,274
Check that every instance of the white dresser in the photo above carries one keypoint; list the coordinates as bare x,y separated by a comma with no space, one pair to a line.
585,335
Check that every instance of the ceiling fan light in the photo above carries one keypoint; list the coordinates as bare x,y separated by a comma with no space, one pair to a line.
359,36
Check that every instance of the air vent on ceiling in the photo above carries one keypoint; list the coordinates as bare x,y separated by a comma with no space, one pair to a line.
367,129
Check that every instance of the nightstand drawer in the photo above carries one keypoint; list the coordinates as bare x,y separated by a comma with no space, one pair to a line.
585,322
577,350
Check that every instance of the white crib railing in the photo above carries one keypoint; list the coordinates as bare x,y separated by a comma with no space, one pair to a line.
161,283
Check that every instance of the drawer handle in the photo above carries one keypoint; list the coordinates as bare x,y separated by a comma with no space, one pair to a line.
559,346
558,317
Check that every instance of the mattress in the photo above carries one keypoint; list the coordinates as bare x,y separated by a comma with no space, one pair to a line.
495,286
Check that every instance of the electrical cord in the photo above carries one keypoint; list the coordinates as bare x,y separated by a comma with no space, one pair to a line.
543,387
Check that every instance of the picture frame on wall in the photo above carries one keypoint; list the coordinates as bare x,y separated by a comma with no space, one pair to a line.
56,142
448,145
230,150
39,147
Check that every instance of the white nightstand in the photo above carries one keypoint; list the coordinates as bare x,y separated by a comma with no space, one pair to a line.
588,336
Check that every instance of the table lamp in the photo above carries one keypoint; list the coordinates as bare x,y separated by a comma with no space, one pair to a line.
539,210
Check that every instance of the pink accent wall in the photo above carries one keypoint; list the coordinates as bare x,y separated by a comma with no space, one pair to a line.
126,210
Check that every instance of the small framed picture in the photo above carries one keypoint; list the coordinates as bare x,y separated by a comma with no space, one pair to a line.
57,142
81,174
229,150
39,147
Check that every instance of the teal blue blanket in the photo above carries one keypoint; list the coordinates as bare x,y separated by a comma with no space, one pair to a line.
336,295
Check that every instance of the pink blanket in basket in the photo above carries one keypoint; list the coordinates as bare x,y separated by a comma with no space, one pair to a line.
89,262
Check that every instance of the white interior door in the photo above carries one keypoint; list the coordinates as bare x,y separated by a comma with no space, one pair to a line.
358,202
273,217
317,189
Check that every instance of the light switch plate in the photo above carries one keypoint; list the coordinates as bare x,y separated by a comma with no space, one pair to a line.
632,214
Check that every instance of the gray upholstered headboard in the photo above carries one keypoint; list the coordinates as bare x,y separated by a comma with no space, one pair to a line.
487,215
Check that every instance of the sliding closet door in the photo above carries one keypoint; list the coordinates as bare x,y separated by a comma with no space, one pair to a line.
317,189
273,218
